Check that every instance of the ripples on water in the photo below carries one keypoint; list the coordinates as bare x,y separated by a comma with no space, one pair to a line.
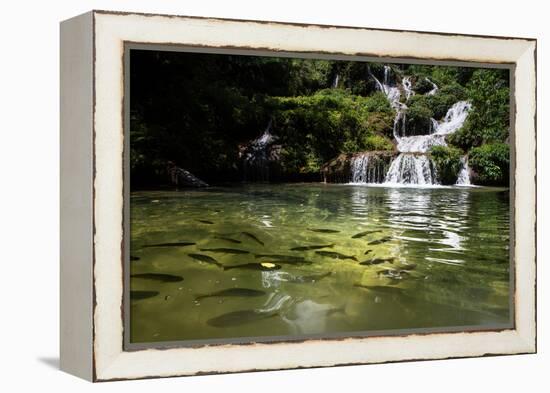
450,268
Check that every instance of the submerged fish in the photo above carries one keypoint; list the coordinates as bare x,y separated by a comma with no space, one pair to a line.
264,266
224,250
335,255
241,317
205,222
205,258
133,258
139,295
280,257
323,230
380,241
253,237
175,244
316,247
228,239
367,252
380,288
232,292
309,278
376,261
363,234
158,277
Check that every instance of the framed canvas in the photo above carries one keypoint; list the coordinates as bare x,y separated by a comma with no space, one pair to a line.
247,195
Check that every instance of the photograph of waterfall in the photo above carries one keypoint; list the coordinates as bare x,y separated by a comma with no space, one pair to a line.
279,198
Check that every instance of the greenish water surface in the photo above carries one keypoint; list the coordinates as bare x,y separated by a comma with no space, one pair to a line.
393,258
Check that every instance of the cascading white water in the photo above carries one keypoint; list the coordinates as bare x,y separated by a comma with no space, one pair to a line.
407,86
358,168
413,166
393,94
464,174
434,124
368,168
256,156
434,88
419,143
335,81
387,70
417,168
259,145
454,119
410,168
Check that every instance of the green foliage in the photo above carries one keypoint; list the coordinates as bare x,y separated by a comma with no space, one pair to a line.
442,76
307,76
317,128
380,123
440,103
488,121
422,85
198,110
376,143
418,117
447,162
491,163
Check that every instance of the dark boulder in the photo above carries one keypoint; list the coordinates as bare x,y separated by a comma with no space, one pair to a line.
180,177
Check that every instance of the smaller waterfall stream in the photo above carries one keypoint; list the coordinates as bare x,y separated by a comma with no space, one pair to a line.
257,155
335,81
359,169
393,94
368,168
411,169
434,88
407,86
464,174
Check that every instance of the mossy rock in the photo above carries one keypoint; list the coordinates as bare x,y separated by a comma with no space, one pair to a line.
422,86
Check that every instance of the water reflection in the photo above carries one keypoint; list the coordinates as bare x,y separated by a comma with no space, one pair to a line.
424,258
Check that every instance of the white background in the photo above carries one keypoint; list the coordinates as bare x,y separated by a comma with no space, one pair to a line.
29,196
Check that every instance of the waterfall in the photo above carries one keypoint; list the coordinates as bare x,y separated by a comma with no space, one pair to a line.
417,168
410,168
393,94
257,155
412,165
434,88
335,81
407,86
387,70
464,174
454,119
368,168
359,168
434,125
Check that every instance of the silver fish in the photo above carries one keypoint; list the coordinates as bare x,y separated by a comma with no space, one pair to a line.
236,318
233,292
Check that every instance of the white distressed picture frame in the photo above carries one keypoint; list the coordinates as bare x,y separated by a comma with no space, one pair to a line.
92,193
